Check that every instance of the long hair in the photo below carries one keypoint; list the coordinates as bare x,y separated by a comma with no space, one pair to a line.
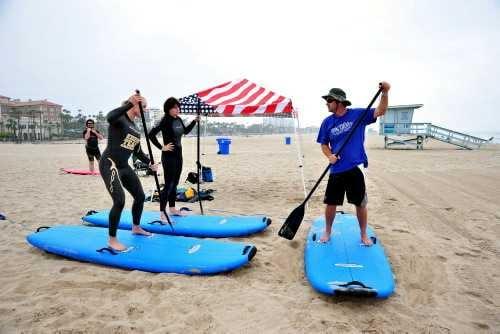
169,104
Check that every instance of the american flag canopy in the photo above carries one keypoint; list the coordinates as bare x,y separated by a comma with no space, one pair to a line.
237,98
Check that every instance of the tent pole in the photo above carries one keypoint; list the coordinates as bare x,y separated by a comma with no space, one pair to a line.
198,164
298,145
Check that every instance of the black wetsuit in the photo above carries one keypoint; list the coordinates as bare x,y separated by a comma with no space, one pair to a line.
92,146
172,130
123,139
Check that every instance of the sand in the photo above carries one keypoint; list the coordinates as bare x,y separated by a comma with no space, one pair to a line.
436,211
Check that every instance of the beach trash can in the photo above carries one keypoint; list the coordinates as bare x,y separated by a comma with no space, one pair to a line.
288,140
223,145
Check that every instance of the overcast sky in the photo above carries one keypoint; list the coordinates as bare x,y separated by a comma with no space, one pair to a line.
91,54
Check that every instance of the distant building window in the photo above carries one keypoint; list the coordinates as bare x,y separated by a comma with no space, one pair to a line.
405,116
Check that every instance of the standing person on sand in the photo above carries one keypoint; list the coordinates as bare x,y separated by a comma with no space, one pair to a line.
172,129
345,175
123,139
92,137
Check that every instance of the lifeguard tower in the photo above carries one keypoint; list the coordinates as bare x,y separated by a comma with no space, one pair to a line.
398,130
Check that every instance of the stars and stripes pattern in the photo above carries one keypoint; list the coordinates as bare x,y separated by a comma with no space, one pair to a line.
237,98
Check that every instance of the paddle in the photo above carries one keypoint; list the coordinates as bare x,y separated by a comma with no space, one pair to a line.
292,223
151,156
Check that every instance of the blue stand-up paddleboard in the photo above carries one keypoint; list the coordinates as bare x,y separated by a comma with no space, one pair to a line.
190,225
343,266
158,253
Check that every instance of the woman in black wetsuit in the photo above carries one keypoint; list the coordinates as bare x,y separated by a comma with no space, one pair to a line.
172,128
123,139
92,136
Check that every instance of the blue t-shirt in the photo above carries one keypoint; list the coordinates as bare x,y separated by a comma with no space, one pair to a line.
334,131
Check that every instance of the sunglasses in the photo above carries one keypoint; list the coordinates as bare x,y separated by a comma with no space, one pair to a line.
330,100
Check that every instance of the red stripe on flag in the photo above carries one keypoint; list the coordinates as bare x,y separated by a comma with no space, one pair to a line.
270,108
253,96
288,108
249,110
266,98
228,110
227,92
241,95
278,100
209,90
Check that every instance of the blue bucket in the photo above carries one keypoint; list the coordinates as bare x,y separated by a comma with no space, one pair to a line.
288,140
206,174
223,145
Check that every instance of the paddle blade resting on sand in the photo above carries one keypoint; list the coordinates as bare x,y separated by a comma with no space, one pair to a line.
292,223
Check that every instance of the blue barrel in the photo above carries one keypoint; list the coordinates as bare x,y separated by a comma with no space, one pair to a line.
288,140
223,145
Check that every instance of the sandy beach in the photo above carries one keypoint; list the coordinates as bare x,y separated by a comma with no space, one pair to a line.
436,211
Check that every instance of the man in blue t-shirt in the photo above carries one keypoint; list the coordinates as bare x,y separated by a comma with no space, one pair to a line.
345,175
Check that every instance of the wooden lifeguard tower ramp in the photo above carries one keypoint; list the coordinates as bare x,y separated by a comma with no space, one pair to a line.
398,130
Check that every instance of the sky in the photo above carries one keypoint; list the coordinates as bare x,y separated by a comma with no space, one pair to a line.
92,54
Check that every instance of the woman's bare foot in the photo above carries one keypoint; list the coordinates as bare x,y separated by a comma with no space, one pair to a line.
136,229
116,245
366,240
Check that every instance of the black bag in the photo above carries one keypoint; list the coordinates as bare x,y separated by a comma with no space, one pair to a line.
192,178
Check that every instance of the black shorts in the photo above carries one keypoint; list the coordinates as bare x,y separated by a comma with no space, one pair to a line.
351,182
93,152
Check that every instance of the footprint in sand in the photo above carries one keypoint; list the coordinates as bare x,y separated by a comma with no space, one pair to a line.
67,269
400,230
481,325
466,254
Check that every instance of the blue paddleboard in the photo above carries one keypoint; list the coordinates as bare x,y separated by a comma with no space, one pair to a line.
190,225
343,266
158,253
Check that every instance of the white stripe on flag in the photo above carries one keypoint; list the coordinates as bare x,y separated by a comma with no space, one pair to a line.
230,96
246,96
261,109
220,90
281,106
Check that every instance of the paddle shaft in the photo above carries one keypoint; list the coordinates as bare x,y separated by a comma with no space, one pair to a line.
151,158
356,124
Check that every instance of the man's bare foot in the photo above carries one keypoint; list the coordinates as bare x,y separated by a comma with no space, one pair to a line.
325,237
176,212
116,245
136,229
366,240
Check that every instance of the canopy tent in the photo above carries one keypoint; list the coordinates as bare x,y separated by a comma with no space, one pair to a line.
241,98
237,98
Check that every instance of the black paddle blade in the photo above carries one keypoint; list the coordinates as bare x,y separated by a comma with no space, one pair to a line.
292,223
